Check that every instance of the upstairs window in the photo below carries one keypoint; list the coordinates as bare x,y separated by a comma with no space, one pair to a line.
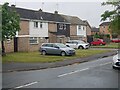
83,28
60,26
79,27
64,26
41,24
36,24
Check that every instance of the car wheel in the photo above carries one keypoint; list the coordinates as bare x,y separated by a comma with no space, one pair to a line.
113,67
80,47
63,53
43,52
67,45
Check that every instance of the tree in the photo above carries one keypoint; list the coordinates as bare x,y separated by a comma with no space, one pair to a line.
0,27
10,23
96,35
113,16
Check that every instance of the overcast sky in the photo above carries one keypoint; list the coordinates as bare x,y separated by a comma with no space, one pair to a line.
90,11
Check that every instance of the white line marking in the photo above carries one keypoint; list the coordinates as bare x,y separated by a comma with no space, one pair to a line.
26,85
105,63
73,72
82,70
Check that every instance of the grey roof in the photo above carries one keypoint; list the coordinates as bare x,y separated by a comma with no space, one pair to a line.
94,29
39,15
86,22
73,19
105,24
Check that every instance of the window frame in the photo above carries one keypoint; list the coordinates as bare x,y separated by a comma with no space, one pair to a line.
33,38
64,26
61,26
79,27
35,24
41,24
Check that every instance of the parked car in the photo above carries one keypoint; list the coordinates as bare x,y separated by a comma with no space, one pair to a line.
116,60
98,42
115,40
77,44
56,48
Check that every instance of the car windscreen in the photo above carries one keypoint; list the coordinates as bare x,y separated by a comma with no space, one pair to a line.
61,45
82,42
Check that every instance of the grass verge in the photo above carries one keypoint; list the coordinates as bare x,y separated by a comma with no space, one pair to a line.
34,57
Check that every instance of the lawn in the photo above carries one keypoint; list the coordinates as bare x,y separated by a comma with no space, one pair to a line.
37,57
111,45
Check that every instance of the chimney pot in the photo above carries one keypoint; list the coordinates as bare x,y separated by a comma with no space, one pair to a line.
40,10
56,12
12,5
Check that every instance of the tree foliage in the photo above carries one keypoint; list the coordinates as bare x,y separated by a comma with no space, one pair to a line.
113,16
0,23
10,22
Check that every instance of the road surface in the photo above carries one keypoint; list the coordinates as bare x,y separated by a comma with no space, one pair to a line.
93,74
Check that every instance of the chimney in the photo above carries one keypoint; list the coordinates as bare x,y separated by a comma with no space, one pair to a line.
56,12
13,6
40,10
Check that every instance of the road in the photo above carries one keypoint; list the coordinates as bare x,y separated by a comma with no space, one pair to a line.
93,74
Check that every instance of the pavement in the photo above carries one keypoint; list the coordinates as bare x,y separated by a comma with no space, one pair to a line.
12,66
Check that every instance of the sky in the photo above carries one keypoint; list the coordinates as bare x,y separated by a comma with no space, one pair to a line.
86,10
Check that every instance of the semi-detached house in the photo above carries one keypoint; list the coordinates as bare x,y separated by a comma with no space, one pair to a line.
77,28
38,27
34,30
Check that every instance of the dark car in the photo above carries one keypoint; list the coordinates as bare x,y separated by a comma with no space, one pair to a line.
98,42
56,48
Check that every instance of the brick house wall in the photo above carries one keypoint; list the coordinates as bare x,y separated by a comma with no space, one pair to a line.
62,39
23,44
73,30
52,37
9,46
73,33
23,39
52,29
35,47
104,29
24,25
88,31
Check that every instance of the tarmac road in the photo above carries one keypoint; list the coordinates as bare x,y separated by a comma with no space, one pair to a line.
93,74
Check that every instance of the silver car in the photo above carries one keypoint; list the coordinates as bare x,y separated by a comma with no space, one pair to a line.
116,60
56,48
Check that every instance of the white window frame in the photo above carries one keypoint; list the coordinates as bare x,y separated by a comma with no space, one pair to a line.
79,27
35,24
83,28
65,26
33,38
41,25
60,26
